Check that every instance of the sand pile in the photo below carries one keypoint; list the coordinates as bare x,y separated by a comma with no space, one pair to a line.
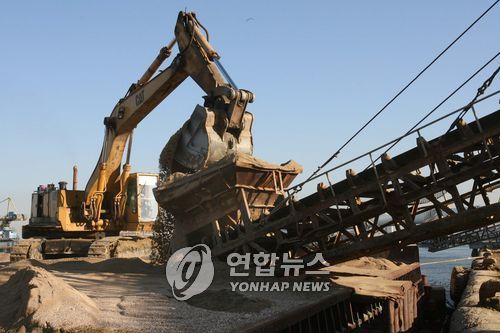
113,265
35,297
370,263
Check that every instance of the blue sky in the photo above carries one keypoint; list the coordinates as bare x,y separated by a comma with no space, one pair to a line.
319,69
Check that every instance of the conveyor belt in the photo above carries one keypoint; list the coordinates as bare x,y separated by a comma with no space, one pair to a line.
454,174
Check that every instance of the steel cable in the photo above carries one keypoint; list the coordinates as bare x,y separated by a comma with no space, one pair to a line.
481,90
400,92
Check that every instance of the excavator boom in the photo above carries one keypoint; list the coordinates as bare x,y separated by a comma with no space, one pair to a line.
221,125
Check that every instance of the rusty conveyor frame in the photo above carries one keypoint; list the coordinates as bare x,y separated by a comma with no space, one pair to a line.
343,220
347,310
487,233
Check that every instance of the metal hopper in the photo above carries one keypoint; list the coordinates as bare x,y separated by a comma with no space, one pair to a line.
221,201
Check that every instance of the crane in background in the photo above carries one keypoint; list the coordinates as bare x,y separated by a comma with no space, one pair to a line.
7,235
11,213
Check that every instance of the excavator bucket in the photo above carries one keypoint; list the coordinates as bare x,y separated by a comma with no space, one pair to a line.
204,140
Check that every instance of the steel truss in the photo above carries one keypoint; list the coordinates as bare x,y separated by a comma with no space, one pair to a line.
487,234
373,210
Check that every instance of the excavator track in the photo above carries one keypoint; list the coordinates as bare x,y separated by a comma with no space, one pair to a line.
103,248
26,249
120,247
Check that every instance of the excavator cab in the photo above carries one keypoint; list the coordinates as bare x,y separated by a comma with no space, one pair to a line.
141,207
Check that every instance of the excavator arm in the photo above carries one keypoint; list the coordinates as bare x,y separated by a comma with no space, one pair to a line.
225,118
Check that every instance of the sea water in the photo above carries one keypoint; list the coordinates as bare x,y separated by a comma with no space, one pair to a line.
438,265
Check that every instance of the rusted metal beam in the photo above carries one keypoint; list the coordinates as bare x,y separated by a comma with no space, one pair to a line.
286,320
358,199
448,225
490,232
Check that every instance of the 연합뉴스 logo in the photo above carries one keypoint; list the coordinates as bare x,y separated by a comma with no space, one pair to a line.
190,271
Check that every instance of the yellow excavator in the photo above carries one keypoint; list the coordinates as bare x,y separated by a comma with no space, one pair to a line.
114,215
